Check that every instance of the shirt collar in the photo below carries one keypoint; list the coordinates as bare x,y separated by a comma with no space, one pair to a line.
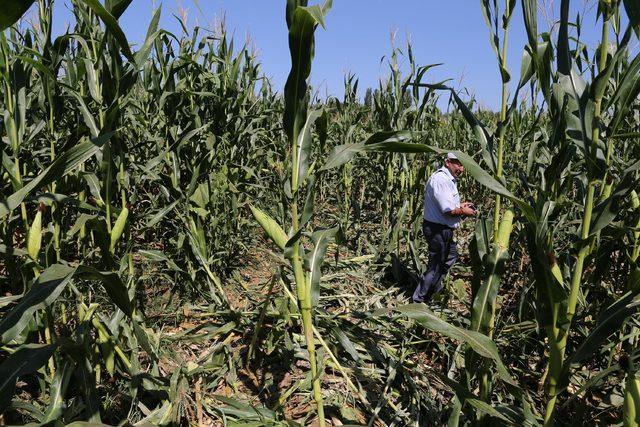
446,172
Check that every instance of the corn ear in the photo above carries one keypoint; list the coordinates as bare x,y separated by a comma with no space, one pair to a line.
504,230
631,406
34,241
270,226
106,345
118,228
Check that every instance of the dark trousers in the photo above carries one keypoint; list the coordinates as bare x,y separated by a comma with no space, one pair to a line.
442,254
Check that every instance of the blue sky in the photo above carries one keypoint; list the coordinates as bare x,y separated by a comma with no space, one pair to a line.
358,36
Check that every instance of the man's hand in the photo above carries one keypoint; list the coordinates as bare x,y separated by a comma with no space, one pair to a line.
465,209
468,209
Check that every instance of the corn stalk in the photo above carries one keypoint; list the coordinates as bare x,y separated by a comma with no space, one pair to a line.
302,22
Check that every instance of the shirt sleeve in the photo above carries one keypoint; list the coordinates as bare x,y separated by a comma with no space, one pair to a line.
443,196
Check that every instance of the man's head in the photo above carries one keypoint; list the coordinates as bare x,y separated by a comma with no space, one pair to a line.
454,166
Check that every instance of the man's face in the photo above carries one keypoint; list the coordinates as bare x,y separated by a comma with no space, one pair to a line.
454,166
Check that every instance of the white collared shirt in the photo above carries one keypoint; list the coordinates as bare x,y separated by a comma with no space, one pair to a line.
441,196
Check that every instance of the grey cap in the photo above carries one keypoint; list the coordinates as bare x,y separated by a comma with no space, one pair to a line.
452,156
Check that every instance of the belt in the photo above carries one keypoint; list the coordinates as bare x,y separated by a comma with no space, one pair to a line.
436,225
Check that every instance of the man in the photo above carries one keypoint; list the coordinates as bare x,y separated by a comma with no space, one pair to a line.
442,214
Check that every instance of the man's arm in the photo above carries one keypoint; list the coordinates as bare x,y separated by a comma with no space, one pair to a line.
463,210
446,203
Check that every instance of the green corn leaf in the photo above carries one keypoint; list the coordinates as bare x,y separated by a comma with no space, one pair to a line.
112,284
153,255
48,287
27,408
543,67
5,301
158,256
488,16
162,213
601,81
607,210
304,149
485,179
456,411
94,186
626,93
85,378
485,299
319,12
11,251
291,7
342,154
479,130
117,7
112,25
152,35
346,344
503,413
57,393
26,360
235,408
44,291
527,70
530,15
315,259
633,12
159,416
479,248
609,322
92,82
564,55
64,163
37,64
81,222
10,168
480,343
12,10
86,114
143,339
302,26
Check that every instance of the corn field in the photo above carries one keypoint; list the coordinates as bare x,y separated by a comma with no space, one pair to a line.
182,243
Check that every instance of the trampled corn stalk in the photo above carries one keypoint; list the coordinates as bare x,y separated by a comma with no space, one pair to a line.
575,147
479,336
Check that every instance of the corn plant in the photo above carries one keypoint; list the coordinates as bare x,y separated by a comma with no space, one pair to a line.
577,108
302,21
